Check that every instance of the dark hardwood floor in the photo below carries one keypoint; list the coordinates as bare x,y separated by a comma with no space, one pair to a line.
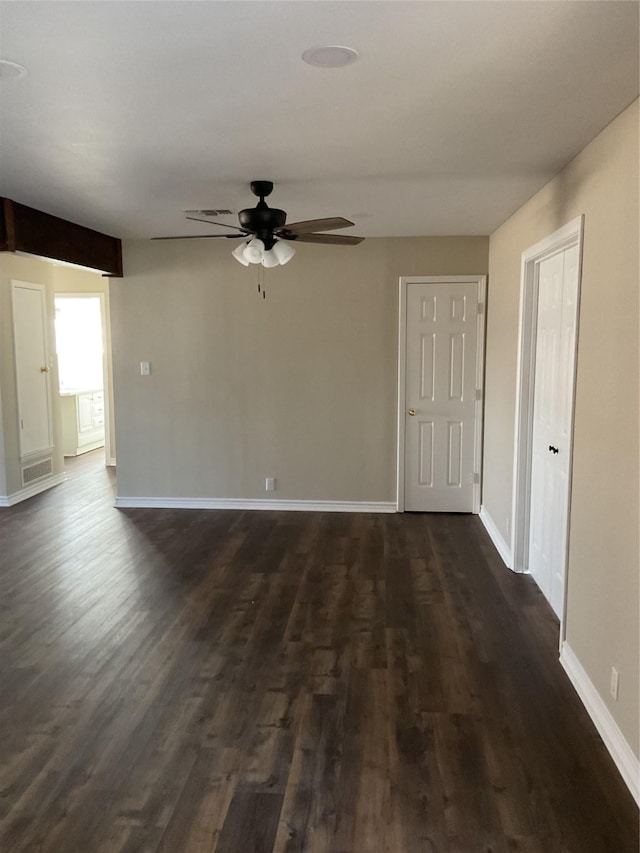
238,682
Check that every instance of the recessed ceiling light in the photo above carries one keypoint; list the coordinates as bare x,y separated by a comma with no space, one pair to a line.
11,70
330,56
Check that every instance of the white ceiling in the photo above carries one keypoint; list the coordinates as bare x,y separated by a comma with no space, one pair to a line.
455,114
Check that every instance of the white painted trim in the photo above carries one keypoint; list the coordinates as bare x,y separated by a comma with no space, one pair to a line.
496,537
623,756
402,367
481,281
560,240
122,502
32,490
479,419
569,235
110,462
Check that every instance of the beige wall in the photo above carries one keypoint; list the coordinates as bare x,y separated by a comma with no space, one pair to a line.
300,386
56,279
603,592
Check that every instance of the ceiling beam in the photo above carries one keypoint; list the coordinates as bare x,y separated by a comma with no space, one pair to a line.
25,229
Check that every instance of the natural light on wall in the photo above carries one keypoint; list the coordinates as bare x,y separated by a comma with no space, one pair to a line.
79,342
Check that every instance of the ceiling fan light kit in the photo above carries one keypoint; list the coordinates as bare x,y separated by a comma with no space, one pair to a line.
283,252
254,251
238,254
270,259
266,237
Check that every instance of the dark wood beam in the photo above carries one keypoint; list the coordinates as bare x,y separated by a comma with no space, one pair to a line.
7,229
25,229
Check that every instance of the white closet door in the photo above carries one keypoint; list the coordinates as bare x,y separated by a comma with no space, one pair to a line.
32,368
552,413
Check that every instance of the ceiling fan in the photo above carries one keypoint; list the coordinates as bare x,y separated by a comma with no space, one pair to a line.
262,228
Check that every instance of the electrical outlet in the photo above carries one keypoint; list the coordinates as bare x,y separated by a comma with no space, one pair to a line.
615,682
270,484
145,368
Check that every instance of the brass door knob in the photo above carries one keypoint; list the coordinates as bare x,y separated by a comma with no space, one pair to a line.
412,411
44,370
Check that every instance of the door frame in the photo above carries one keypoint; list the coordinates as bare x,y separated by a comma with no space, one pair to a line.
404,282
568,236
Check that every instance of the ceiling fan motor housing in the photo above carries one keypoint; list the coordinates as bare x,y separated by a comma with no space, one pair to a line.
262,221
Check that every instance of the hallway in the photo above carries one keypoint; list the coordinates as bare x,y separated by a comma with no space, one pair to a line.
269,682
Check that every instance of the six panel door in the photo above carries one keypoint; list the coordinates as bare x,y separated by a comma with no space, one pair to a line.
440,395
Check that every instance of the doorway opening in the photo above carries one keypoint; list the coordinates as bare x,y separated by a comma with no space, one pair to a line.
81,333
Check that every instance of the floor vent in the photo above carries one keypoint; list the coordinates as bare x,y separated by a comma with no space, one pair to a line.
37,471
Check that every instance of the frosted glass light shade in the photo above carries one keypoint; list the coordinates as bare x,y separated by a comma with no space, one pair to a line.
283,252
270,259
254,251
238,254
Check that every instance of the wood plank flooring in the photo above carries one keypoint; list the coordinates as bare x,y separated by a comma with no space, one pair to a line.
237,682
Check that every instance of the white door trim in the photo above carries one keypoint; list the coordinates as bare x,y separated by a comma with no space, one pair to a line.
566,237
481,282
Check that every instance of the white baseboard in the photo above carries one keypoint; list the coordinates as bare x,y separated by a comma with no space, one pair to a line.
258,504
625,760
32,490
496,537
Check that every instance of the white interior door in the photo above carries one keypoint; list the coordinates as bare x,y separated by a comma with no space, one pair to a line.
32,368
552,419
441,467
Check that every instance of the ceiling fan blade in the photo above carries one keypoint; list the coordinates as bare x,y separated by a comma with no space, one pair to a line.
328,224
336,239
221,224
201,237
